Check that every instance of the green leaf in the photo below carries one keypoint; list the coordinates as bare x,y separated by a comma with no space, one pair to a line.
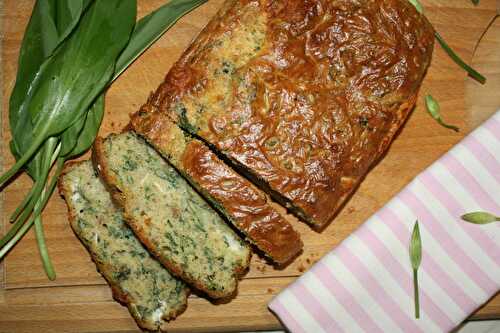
471,71
151,27
475,2
417,5
83,66
434,109
91,128
76,74
39,42
415,250
480,218
68,15
415,247
147,30
70,135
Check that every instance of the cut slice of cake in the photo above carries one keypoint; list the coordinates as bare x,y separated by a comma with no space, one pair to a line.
152,295
170,218
234,196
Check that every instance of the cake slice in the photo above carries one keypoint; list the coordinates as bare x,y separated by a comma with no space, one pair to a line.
303,97
152,295
170,218
234,196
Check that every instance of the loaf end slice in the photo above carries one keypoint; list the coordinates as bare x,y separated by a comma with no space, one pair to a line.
170,218
230,193
152,295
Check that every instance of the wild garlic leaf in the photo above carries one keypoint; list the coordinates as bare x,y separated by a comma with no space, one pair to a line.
434,110
43,35
39,42
415,250
68,13
417,5
480,218
78,71
147,30
90,129
415,247
151,27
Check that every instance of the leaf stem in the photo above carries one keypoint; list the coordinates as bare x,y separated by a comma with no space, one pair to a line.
37,142
416,293
20,227
51,152
19,234
472,72
20,208
42,248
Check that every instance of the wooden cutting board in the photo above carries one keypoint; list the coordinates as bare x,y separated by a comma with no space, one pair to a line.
80,301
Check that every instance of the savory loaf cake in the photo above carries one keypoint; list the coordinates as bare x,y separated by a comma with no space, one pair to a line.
303,96
170,218
234,196
150,292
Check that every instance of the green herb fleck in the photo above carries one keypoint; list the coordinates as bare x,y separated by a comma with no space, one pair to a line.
227,67
363,122
122,274
433,109
415,259
148,193
129,165
480,218
181,111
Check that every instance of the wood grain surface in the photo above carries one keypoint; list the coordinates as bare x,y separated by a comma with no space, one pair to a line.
79,300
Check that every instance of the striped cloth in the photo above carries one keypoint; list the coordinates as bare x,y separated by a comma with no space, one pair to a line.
366,283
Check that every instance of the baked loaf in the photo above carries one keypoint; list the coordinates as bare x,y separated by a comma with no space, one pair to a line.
169,217
302,96
150,292
234,196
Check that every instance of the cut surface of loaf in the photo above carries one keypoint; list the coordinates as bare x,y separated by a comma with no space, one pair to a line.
170,217
302,96
234,196
152,295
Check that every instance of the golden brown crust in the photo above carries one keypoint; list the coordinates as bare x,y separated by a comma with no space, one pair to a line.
249,209
140,231
318,101
232,194
118,294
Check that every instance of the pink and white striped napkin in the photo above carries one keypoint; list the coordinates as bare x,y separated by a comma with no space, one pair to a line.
366,283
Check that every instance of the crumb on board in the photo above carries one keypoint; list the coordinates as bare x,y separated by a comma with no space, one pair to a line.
261,269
